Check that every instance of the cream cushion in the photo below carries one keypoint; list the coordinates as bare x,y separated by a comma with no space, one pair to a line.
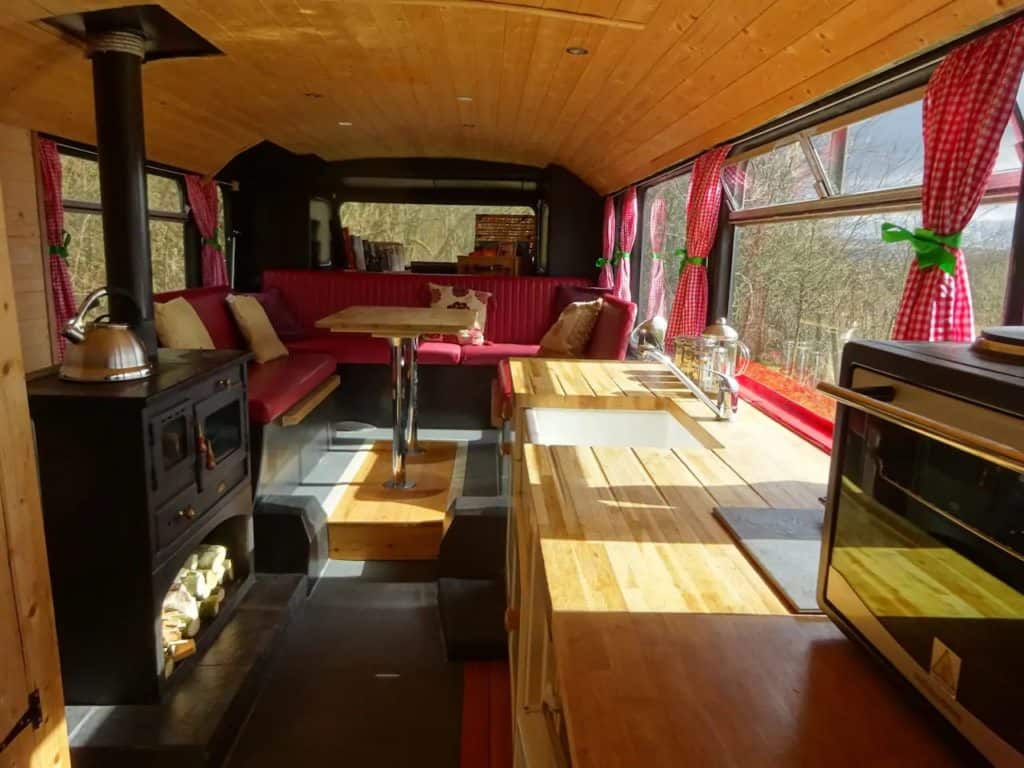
569,335
178,326
255,326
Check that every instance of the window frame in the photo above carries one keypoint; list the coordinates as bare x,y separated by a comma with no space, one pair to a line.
192,238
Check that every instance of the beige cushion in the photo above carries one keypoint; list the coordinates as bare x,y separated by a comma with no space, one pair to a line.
450,297
569,335
178,326
256,328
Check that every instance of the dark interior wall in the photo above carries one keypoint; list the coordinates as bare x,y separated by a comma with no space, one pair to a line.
574,227
270,210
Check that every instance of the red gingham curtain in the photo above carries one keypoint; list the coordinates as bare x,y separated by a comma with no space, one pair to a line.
60,278
605,279
656,292
627,236
690,306
966,107
202,198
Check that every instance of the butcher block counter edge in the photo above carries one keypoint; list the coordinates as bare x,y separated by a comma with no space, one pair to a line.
668,646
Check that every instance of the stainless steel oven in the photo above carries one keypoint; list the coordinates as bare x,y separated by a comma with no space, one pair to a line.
923,555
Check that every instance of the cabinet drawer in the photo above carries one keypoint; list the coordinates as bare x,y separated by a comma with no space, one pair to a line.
176,517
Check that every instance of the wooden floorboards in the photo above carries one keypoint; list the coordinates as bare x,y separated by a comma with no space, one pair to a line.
371,522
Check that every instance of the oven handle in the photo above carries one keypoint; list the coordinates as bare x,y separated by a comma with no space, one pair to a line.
976,445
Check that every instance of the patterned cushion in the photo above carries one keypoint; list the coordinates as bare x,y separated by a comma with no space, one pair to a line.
450,297
569,335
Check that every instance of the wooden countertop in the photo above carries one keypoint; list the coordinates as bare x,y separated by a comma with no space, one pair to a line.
670,649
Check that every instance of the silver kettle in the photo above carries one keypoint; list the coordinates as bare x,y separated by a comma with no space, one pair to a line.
101,350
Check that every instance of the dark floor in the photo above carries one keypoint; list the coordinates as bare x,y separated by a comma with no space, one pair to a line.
362,678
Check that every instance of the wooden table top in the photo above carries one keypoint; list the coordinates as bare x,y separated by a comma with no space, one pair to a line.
671,650
398,322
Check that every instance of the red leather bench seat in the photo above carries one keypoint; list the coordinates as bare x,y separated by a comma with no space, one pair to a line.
519,312
277,386
274,387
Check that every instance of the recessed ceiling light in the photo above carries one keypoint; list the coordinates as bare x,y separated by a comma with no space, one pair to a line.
344,123
577,50
464,98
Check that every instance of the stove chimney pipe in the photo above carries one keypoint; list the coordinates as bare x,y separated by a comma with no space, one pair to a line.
117,58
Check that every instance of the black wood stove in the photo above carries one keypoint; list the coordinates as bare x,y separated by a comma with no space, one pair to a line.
135,476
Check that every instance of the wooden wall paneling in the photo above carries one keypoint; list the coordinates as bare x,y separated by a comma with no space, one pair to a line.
25,245
793,69
634,58
24,547
719,56
679,77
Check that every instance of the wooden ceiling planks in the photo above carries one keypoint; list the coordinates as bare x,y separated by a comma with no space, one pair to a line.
664,79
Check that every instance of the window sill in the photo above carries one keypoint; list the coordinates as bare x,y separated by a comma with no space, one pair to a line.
815,429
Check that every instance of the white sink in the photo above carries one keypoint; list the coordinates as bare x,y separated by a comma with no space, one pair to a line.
568,426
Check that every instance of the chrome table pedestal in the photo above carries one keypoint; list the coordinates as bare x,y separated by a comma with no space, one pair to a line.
404,382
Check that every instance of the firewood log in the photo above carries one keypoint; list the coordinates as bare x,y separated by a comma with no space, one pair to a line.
182,649
187,625
210,607
180,599
196,584
168,664
229,570
211,555
191,562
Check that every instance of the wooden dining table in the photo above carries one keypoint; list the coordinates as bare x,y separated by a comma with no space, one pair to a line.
402,327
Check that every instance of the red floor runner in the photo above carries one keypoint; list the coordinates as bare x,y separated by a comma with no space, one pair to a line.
486,715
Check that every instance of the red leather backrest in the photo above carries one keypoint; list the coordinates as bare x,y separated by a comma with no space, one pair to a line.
209,304
520,310
610,337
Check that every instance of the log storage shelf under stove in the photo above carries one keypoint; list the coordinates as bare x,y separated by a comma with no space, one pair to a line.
135,478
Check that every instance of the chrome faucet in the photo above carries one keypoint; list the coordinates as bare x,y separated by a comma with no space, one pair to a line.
647,348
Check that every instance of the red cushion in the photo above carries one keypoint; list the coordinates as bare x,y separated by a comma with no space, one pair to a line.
360,348
440,353
520,310
345,347
610,338
492,354
213,310
276,386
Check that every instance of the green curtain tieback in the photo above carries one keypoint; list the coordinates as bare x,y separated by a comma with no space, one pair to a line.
685,259
62,249
214,240
932,250
615,259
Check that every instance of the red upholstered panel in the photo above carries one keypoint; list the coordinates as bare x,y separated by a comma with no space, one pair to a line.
520,311
492,354
209,304
610,337
359,348
276,386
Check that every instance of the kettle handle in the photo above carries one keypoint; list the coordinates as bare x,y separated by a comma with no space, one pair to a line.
742,359
74,329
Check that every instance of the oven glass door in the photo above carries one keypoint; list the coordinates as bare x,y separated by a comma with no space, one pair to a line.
929,539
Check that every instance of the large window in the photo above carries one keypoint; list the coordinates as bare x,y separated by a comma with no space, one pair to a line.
168,216
427,232
811,272
674,192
